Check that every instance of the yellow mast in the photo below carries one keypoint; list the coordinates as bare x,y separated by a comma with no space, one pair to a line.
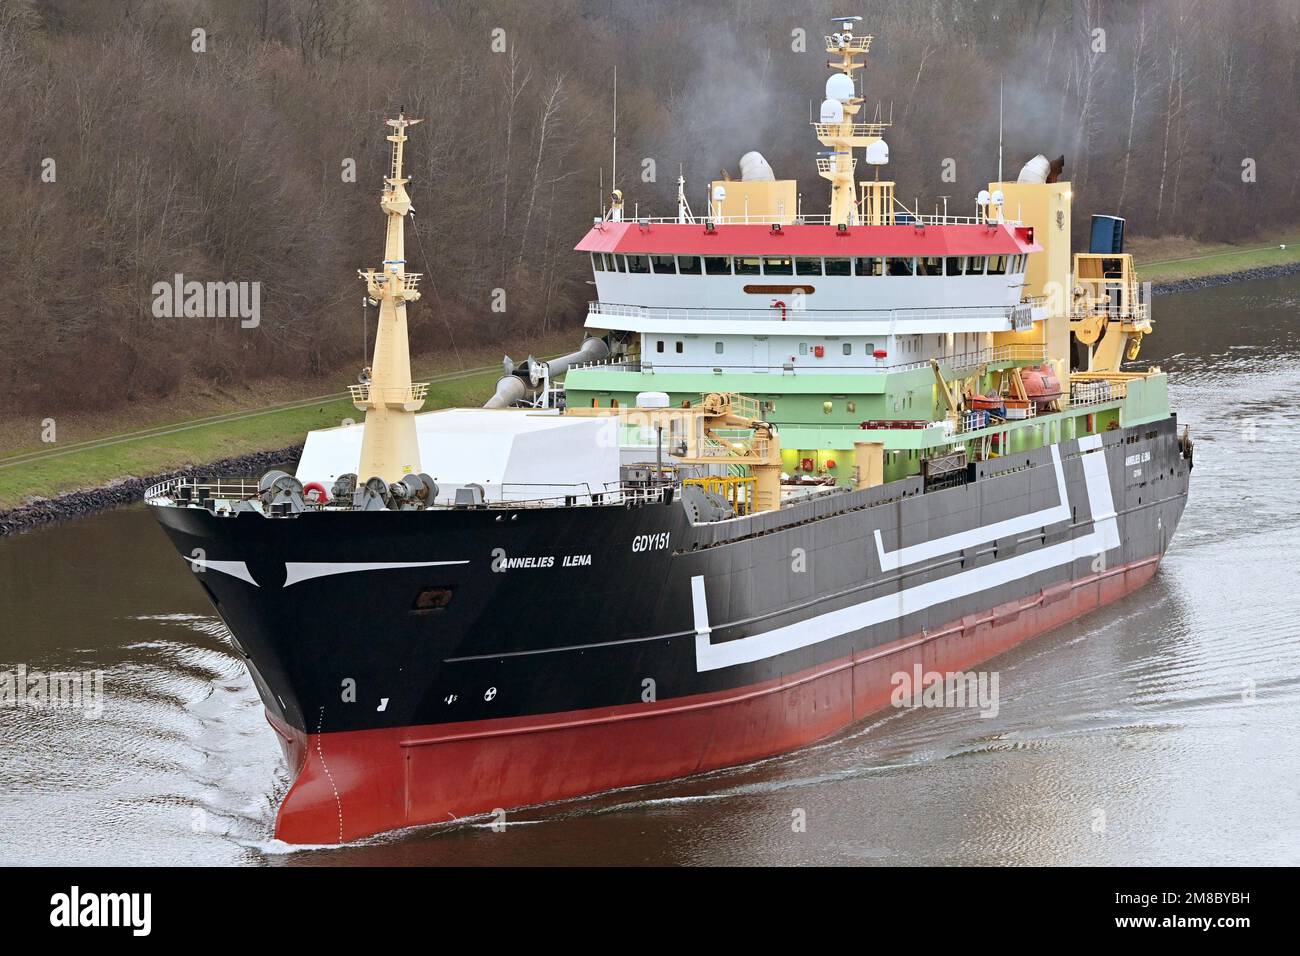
837,129
389,447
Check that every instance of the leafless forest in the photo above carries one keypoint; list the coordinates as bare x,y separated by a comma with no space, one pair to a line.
229,162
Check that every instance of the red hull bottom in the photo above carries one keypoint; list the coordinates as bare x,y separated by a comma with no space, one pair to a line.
355,784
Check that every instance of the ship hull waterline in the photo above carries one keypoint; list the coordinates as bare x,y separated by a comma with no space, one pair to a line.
607,670
351,785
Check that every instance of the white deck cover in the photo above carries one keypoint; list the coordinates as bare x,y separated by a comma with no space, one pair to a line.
514,454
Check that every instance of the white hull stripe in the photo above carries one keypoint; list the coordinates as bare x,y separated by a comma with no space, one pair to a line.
927,550
890,607
236,569
296,571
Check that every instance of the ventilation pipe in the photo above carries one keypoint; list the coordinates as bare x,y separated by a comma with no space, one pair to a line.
526,381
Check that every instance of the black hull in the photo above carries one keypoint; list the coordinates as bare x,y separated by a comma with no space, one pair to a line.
783,593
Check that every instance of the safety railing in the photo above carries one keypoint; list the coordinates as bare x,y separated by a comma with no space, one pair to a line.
1097,393
361,394
197,490
996,315
833,130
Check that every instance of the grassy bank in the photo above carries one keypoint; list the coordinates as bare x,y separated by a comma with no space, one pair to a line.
1171,258
204,424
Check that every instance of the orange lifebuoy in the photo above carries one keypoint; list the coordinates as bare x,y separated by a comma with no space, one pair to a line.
320,495
779,304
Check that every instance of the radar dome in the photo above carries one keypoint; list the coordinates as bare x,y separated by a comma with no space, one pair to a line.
832,111
839,86
755,169
878,153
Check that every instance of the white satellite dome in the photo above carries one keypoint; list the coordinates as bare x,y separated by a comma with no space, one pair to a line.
652,400
755,169
878,153
839,86
832,111
983,197
719,193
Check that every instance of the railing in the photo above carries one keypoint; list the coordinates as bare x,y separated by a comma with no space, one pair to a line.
743,406
979,420
201,489
850,43
1136,312
751,449
998,315
1033,354
1097,393
196,492
835,130
830,164
418,392
902,215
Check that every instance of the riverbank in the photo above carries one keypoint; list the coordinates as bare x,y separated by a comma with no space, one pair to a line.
105,458
1179,264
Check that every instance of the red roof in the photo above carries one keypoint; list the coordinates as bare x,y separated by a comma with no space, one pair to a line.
667,239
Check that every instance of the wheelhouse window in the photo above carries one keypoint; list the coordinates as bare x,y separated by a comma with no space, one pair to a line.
869,266
638,264
620,264
975,265
929,266
746,267
839,267
804,266
688,265
997,265
954,266
717,265
598,261
778,267
664,264
901,267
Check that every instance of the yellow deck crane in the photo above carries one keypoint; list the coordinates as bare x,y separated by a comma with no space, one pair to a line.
1107,314
722,429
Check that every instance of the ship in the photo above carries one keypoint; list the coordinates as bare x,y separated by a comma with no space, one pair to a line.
794,456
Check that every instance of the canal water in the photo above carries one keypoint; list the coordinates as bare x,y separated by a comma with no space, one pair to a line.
1162,729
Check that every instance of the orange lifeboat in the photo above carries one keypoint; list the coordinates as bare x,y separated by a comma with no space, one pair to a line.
1041,385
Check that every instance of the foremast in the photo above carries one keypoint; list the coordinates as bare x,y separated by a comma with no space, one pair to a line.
389,447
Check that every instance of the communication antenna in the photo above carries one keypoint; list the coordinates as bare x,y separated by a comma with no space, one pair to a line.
999,127
613,172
